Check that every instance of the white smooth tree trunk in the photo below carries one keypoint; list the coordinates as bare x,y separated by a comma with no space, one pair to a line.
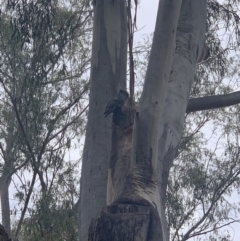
7,171
189,44
108,75
141,185
139,157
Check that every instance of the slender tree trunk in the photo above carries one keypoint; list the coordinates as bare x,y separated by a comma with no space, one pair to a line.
108,75
5,178
5,181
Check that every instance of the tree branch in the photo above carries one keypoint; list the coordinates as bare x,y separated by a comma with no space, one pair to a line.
26,203
214,229
219,191
213,102
29,147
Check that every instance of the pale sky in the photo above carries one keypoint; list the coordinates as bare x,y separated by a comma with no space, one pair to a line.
146,17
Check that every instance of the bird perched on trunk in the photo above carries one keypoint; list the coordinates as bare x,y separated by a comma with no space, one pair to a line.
116,103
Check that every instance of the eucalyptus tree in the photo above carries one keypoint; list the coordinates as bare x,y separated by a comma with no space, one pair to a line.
54,217
127,159
44,59
204,179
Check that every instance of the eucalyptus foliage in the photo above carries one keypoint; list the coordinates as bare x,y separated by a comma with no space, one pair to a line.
44,61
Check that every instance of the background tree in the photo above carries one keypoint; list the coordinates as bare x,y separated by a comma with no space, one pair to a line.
44,59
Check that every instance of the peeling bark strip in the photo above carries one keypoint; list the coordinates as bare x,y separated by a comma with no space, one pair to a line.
120,153
142,180
123,222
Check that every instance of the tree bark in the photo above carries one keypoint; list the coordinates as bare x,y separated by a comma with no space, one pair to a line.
139,179
140,187
7,172
141,183
189,41
108,75
114,223
5,181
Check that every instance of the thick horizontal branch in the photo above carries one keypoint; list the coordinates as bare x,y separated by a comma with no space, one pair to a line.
213,102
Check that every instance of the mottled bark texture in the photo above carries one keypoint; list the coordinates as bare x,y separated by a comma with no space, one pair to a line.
132,173
189,44
142,152
108,76
120,162
115,224
141,184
